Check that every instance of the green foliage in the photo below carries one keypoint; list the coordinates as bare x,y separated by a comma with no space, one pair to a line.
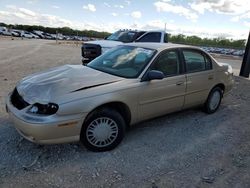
182,39
214,42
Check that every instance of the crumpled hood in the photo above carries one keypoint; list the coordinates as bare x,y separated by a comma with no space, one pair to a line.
43,87
105,43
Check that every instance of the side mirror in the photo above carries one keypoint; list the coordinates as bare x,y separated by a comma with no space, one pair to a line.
153,75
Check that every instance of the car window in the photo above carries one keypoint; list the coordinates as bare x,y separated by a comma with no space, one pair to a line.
168,63
166,37
150,37
124,36
195,61
139,34
123,61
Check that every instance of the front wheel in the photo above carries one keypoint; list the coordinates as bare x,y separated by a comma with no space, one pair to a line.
103,130
213,101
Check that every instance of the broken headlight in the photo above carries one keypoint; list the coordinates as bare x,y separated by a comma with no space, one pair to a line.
46,109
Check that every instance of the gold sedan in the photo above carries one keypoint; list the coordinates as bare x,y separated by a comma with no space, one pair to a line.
130,83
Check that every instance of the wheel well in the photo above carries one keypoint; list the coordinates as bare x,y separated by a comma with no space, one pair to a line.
120,107
222,86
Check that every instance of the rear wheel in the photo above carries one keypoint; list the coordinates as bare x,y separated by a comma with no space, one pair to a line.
103,130
213,101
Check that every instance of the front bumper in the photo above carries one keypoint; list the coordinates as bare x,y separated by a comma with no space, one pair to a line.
42,129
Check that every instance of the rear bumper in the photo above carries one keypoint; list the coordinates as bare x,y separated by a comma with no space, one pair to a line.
229,85
52,129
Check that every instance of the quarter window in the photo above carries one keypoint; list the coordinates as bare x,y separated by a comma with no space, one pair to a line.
195,61
168,63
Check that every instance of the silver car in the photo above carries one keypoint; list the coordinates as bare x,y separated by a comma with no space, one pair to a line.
95,104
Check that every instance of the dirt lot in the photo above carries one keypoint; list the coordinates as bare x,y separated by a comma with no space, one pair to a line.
185,149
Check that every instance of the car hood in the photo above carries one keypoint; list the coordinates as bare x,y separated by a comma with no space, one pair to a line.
105,43
45,87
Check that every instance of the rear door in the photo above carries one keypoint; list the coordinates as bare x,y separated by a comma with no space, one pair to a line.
200,76
158,97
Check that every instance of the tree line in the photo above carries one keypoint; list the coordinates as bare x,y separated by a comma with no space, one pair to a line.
62,30
213,42
182,39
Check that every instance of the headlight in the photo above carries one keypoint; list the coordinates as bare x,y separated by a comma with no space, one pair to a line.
46,109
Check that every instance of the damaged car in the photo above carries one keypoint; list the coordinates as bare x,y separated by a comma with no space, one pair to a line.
94,104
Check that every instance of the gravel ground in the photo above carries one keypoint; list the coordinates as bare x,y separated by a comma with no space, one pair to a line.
184,149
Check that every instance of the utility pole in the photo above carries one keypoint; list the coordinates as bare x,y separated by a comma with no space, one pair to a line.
245,66
56,36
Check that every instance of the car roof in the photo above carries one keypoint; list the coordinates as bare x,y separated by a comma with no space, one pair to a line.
159,46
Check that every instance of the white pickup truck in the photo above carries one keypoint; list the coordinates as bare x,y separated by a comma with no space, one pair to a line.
92,49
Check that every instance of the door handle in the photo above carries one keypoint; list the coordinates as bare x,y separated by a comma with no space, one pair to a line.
210,77
179,83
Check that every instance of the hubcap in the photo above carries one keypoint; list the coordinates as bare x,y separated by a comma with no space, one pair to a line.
215,100
102,132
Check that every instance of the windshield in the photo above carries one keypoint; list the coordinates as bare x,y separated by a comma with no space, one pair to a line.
123,36
123,61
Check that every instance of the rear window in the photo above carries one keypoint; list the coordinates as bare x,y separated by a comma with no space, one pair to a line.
151,37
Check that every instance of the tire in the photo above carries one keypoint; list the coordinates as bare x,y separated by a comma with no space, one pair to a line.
103,130
213,101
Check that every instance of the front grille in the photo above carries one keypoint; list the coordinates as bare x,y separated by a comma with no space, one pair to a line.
17,100
91,51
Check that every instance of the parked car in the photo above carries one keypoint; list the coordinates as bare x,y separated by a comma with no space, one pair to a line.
60,36
239,52
40,34
225,51
5,31
128,84
15,33
92,49
29,35
2,29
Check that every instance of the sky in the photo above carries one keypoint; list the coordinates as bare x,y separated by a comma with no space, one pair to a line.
204,18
